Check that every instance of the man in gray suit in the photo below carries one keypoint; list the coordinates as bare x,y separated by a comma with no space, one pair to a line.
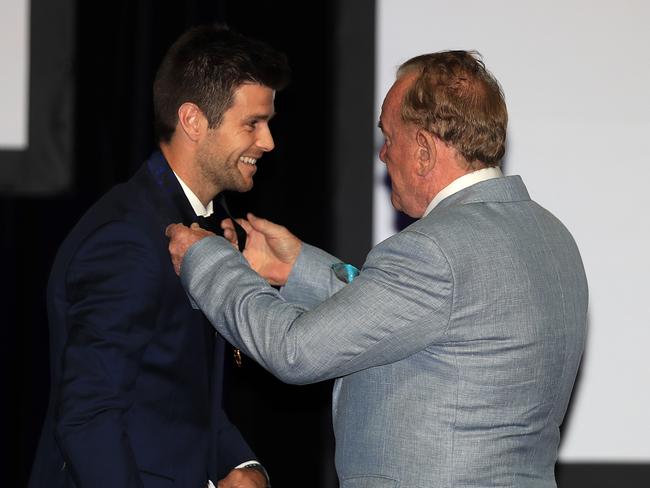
456,347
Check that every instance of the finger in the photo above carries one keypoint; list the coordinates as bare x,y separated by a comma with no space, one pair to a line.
246,225
171,228
171,248
265,226
227,224
258,223
231,236
195,226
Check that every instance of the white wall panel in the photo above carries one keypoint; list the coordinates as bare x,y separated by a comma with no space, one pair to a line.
576,75
14,73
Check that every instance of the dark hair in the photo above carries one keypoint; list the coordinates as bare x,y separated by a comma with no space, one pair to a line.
205,66
459,101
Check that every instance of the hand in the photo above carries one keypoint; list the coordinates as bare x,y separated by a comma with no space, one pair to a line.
181,238
229,232
243,478
271,249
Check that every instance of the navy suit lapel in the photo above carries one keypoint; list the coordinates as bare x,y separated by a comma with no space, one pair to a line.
172,206
171,203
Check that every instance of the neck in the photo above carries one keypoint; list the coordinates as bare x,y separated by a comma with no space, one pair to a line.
183,164
446,177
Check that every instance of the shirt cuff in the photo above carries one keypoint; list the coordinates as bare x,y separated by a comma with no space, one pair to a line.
256,465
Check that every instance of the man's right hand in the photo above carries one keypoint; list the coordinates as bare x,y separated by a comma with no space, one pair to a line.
271,249
181,238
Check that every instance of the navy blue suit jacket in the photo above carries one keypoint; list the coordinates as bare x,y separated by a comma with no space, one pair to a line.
136,372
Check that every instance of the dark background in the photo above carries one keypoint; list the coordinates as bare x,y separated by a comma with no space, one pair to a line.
318,181
117,48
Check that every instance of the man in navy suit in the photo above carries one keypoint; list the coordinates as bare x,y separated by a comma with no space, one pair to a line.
136,370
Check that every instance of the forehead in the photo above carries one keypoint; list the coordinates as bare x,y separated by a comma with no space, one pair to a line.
390,109
251,97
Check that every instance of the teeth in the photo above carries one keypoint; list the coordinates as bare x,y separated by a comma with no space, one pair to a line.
247,160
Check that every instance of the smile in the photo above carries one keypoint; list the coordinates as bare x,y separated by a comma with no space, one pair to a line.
247,160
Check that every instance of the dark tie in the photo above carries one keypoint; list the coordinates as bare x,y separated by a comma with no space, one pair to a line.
213,223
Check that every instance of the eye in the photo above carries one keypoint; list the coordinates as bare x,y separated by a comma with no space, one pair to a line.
251,124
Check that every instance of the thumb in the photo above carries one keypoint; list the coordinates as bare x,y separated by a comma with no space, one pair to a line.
260,225
264,226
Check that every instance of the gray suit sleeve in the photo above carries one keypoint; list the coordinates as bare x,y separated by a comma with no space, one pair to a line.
397,306
311,280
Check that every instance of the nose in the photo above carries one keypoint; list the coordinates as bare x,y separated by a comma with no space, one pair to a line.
265,140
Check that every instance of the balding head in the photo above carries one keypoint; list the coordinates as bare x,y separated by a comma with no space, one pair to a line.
455,98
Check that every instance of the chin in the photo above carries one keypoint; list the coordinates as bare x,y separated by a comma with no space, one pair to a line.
395,203
245,186
239,186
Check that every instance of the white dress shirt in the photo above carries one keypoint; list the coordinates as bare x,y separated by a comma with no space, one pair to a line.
198,207
463,182
201,210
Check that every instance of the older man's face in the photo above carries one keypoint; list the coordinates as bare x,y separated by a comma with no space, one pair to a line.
399,152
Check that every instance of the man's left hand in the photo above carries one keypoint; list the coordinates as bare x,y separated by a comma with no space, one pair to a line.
243,478
181,238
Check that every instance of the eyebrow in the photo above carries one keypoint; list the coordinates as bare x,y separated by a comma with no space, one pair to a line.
264,117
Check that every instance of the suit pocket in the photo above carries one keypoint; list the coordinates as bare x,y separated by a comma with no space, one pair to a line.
369,482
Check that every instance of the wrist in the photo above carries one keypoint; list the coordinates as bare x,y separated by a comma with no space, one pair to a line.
254,466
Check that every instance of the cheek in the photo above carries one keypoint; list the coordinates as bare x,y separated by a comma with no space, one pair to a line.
249,139
393,171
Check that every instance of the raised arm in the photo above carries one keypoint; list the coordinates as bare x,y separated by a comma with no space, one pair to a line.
271,249
397,306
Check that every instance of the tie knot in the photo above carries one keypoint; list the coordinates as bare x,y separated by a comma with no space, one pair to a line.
213,223
210,223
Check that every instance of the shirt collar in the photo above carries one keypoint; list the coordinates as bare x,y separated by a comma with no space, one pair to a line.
463,182
198,207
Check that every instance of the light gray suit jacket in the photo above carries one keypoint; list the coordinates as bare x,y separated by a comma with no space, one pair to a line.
455,349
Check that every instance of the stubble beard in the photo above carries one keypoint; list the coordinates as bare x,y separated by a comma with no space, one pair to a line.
221,175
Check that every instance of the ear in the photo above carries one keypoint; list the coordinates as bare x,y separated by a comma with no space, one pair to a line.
426,156
191,121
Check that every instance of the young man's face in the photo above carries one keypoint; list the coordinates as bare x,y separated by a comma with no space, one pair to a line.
228,154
